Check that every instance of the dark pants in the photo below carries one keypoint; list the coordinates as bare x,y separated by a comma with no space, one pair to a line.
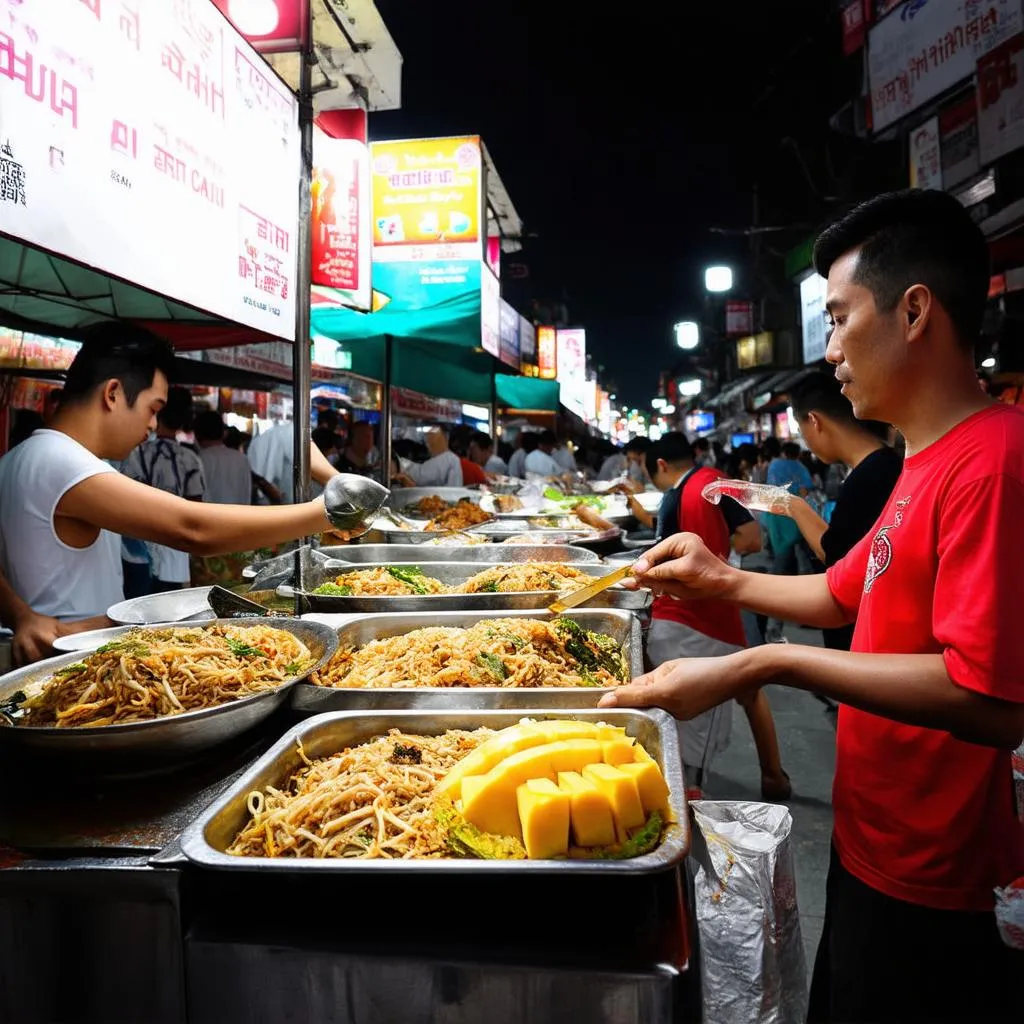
882,960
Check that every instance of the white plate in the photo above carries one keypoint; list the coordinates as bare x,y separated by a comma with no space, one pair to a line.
172,606
92,639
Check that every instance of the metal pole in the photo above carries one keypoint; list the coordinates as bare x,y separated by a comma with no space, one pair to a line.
385,415
493,424
302,370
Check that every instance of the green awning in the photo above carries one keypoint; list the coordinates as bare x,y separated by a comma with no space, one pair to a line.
526,392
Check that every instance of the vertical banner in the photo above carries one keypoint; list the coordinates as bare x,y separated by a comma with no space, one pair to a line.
925,160
547,353
527,341
509,336
490,312
958,139
572,368
1001,100
341,219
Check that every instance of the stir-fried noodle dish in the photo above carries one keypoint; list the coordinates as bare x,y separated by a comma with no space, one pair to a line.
373,800
494,652
153,673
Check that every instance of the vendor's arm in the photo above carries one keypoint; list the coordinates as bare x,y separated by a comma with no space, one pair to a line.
812,526
113,502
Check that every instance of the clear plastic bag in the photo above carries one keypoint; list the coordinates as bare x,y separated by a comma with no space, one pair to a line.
753,497
753,968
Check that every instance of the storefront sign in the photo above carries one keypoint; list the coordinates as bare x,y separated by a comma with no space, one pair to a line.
271,359
739,318
422,286
341,218
428,199
925,163
958,139
1001,100
929,46
152,142
424,407
20,351
272,26
854,25
883,7
527,341
547,352
756,350
509,336
490,312
812,311
572,368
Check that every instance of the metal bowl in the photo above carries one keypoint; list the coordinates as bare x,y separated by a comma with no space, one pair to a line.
174,738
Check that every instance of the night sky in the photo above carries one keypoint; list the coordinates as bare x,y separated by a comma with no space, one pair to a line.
622,140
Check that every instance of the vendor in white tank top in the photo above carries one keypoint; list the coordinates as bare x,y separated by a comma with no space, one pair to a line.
63,508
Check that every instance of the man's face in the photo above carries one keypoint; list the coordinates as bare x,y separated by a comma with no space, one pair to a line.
867,347
131,424
477,454
662,478
362,439
817,434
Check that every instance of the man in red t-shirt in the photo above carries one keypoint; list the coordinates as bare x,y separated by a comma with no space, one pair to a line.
932,691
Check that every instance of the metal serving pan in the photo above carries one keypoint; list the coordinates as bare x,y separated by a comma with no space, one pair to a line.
624,626
485,554
402,496
160,740
452,573
173,606
206,839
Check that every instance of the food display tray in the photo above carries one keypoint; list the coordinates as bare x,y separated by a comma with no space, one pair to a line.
484,554
206,840
358,631
451,573
400,497
191,604
143,745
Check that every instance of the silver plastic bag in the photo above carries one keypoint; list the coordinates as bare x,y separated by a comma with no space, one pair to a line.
753,969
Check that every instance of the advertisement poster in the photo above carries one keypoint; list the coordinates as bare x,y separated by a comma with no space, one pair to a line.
490,312
925,163
739,317
341,218
854,25
812,308
509,336
418,286
958,139
1001,100
572,369
150,141
527,341
427,198
928,46
547,353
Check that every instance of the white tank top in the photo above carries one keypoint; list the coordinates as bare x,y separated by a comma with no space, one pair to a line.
49,575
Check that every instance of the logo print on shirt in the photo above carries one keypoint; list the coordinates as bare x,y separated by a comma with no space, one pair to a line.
880,555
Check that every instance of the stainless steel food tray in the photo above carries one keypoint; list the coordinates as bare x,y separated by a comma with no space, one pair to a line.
452,573
402,496
624,626
191,604
487,554
206,839
137,745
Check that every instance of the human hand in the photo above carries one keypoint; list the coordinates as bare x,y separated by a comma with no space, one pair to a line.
685,688
33,637
683,567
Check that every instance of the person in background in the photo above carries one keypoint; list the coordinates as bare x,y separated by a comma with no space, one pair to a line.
63,506
481,451
327,441
473,474
541,462
238,440
614,465
834,434
703,454
565,457
228,478
526,442
771,449
703,629
163,463
355,457
442,468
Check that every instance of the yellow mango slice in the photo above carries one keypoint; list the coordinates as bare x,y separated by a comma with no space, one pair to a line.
621,791
544,818
491,803
650,783
590,813
606,732
640,754
617,751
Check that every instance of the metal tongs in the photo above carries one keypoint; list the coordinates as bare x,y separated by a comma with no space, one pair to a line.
353,502
591,590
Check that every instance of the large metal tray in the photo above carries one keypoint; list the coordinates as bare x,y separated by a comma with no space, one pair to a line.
453,573
487,554
191,604
402,496
139,745
206,839
624,626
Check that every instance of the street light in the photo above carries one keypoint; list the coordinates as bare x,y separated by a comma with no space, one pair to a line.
989,364
658,403
718,279
687,334
690,388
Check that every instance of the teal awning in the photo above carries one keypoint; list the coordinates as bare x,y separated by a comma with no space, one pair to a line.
526,392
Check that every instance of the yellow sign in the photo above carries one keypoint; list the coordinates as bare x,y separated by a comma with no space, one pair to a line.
426,192
755,350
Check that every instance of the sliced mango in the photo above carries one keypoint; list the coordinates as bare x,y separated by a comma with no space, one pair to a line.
650,783
618,751
544,817
622,793
640,754
490,804
590,813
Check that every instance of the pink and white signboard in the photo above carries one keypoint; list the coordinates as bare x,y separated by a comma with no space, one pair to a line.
147,139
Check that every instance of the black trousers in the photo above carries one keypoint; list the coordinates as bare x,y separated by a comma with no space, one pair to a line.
883,960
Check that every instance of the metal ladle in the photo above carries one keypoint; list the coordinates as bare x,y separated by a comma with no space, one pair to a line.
353,502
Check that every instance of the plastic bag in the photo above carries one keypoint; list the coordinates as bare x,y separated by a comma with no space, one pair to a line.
753,967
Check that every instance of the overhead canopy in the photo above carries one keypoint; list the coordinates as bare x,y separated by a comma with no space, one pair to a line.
526,392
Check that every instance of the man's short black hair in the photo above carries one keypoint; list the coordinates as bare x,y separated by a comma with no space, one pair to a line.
915,237
530,441
702,444
209,426
673,449
791,450
117,351
481,440
177,413
772,447
547,437
638,444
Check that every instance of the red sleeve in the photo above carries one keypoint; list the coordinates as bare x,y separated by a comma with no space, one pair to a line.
976,609
846,577
472,473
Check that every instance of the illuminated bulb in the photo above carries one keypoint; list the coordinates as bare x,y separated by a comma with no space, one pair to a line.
254,17
988,364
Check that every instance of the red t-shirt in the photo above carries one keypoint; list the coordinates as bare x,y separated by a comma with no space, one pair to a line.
719,620
472,473
919,815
